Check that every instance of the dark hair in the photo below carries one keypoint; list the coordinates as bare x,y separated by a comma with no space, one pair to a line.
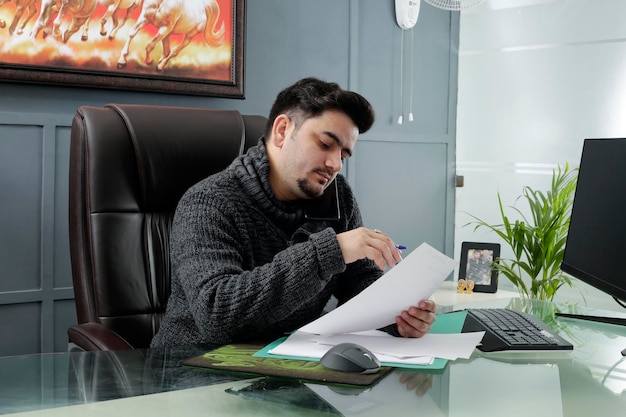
310,97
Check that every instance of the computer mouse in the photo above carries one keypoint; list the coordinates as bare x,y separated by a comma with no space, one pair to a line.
350,357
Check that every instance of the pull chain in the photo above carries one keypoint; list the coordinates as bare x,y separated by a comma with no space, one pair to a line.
401,77
411,99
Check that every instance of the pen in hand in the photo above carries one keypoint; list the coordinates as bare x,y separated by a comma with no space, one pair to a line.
399,247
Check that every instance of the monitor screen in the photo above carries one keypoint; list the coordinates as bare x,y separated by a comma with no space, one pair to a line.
595,251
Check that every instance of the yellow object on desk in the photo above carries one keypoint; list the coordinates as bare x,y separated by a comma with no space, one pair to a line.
465,286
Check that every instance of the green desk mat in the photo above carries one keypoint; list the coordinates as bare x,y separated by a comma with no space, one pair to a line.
238,358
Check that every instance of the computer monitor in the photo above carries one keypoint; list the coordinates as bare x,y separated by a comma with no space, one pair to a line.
595,251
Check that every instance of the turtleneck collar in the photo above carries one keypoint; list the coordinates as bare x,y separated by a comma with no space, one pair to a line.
252,170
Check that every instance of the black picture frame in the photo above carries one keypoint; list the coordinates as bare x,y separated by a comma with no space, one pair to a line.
71,60
476,265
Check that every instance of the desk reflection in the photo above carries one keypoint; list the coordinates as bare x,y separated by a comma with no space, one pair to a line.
480,386
43,381
99,376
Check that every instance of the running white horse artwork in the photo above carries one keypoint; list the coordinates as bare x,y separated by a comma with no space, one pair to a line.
185,17
79,10
113,11
20,7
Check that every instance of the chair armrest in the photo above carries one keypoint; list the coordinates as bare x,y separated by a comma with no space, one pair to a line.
94,336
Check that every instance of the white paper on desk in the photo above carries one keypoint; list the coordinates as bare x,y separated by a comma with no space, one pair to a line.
301,344
446,346
415,278
386,347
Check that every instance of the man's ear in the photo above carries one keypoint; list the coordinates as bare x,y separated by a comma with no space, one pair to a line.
279,130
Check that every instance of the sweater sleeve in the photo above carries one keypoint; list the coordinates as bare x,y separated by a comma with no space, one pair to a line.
241,279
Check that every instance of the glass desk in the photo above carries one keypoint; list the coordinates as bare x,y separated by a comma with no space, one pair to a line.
590,381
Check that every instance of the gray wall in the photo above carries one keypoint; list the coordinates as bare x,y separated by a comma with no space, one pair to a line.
402,174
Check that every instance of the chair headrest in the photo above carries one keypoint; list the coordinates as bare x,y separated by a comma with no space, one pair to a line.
177,147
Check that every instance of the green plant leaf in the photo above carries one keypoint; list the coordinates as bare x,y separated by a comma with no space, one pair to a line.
537,239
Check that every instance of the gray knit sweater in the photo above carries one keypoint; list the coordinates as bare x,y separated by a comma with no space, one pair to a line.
247,267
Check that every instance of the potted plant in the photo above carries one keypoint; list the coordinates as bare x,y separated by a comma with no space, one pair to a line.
537,240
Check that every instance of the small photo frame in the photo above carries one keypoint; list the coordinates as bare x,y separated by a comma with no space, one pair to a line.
476,265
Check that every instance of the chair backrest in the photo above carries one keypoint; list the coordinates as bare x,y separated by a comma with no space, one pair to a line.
129,166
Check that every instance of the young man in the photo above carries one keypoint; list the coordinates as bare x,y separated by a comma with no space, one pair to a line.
258,250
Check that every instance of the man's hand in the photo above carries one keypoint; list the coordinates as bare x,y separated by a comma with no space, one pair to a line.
416,321
367,243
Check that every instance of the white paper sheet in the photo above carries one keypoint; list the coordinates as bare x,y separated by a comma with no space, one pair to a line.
415,278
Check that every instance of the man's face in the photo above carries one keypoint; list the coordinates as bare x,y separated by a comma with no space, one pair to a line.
312,154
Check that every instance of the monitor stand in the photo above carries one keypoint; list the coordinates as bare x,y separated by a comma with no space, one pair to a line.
620,321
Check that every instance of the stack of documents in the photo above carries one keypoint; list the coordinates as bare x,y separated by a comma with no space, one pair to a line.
414,279
390,350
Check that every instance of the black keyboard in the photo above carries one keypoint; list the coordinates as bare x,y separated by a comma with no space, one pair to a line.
512,330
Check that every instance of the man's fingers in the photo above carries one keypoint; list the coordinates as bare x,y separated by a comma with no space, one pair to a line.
386,247
369,243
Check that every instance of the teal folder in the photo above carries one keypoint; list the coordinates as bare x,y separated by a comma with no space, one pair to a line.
445,324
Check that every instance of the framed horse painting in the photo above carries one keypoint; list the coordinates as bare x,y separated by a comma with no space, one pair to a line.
188,47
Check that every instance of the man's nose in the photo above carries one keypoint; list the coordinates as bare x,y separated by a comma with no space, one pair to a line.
335,161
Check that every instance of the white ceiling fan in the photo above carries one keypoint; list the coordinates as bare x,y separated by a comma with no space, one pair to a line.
454,4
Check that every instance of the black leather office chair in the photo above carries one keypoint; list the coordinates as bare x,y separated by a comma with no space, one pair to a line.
129,166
